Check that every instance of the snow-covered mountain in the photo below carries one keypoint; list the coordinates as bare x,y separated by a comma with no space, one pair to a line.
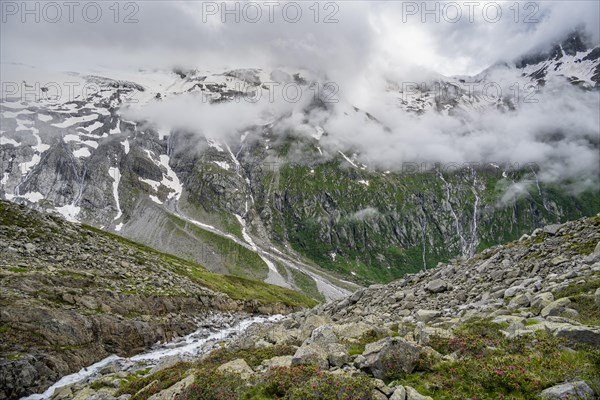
240,202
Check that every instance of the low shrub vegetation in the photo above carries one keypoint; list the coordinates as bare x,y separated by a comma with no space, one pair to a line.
294,383
488,365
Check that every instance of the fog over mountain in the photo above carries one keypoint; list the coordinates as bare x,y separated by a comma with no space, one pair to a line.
381,50
368,200
350,38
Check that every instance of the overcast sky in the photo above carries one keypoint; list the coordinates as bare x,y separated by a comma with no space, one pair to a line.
349,37
359,45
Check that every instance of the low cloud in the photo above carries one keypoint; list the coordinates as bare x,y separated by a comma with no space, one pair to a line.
364,214
371,45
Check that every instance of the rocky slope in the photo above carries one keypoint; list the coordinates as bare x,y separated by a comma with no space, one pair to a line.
72,295
518,321
299,213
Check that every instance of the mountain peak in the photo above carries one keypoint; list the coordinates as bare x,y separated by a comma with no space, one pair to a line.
575,42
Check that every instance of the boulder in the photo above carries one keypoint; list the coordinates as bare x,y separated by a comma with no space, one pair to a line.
594,256
436,286
521,300
278,334
427,315
280,361
321,349
173,391
383,388
589,335
377,395
512,291
239,367
551,229
352,330
310,354
412,394
399,393
555,308
391,351
399,295
541,300
568,390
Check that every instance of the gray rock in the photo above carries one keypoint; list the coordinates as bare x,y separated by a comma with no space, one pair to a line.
321,349
541,300
556,308
512,291
521,300
239,367
399,393
30,247
280,361
377,395
575,390
173,391
594,256
551,229
427,315
377,356
589,335
412,394
352,330
310,354
399,295
383,388
437,286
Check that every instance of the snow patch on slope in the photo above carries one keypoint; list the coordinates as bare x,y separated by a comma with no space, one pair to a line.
76,120
5,140
222,164
83,152
115,173
348,159
170,179
69,211
125,145
33,197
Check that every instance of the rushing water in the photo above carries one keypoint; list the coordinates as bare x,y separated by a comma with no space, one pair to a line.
194,344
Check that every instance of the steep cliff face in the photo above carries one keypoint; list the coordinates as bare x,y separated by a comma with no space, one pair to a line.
267,201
